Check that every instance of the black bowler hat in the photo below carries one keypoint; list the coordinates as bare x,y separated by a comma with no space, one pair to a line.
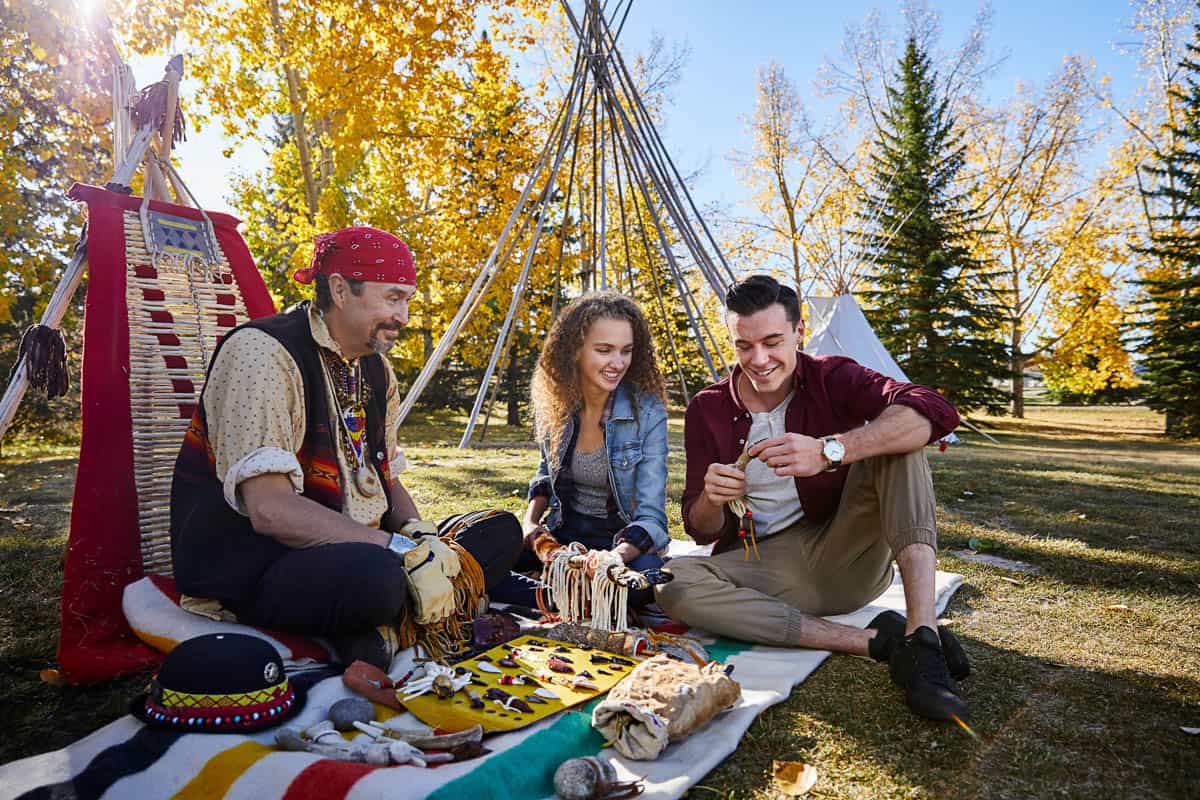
219,683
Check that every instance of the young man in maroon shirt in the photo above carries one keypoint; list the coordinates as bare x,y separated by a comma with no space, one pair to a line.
837,486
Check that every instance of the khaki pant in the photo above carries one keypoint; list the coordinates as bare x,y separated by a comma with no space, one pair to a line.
819,569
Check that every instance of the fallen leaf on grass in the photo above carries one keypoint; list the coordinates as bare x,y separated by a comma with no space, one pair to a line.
1188,731
1117,607
1013,581
794,778
53,677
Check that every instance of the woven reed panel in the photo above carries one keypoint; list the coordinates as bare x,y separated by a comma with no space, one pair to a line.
176,318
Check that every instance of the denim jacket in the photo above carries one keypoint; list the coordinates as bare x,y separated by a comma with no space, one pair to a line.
635,435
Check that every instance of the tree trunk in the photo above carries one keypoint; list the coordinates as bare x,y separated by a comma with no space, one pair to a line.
427,328
296,106
1018,372
1018,388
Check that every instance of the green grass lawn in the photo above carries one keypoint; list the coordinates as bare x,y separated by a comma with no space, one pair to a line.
1084,672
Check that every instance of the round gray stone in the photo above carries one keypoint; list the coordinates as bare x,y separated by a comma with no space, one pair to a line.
344,713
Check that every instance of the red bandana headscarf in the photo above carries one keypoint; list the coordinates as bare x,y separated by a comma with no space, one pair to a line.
361,254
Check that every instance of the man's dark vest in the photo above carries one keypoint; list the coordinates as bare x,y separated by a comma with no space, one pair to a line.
216,552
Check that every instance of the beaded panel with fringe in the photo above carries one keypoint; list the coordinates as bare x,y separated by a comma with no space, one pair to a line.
182,299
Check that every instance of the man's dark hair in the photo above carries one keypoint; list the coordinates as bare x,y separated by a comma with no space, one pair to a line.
761,291
324,299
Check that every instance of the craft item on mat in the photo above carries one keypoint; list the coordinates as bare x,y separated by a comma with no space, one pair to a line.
741,509
591,778
506,693
588,585
374,684
349,710
663,700
383,745
493,628
626,643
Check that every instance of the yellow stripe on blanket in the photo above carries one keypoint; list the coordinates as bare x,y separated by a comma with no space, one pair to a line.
163,644
219,772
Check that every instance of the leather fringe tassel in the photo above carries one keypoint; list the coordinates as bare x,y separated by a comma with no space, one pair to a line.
45,354
443,640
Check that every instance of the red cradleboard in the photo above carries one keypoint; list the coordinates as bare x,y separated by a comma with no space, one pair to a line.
104,550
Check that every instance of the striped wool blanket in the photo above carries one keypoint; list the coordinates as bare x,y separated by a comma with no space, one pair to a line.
127,760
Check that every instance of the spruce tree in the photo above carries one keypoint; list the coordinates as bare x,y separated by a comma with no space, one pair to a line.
931,304
1171,346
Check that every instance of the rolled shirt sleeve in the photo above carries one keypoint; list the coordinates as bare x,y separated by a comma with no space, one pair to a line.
866,393
254,405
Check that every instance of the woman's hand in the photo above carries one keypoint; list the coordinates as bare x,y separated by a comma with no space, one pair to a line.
532,531
627,551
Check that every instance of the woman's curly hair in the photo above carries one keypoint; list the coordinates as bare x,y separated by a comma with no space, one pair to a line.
555,392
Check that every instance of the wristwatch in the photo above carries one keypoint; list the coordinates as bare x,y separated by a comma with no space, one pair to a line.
834,451
400,544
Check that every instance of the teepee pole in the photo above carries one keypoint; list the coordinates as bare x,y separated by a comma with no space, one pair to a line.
531,251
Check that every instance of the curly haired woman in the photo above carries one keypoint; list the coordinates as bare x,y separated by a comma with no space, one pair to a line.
601,424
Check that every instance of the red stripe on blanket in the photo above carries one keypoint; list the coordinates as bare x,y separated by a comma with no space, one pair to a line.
326,780
301,646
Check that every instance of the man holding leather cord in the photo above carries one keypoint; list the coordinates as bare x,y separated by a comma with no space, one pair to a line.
286,510
836,486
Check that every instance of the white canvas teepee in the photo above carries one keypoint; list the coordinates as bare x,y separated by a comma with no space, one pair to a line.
838,327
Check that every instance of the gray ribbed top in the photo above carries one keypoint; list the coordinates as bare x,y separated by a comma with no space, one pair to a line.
589,471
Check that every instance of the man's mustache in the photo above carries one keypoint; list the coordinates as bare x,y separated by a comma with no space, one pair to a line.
384,326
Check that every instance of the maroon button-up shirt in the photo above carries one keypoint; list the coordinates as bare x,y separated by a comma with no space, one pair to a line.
833,395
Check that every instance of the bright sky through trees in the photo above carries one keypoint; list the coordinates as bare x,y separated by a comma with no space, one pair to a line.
729,40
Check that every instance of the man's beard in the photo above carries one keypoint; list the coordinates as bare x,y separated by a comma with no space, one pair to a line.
378,344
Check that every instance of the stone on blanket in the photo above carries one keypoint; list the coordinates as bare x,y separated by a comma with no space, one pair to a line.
345,712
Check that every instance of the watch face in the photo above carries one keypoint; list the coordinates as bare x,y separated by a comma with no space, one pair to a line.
834,450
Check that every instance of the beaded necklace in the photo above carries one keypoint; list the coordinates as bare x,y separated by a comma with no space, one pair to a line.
351,395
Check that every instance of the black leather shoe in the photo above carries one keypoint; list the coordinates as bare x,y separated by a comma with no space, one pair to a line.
891,624
919,667
377,647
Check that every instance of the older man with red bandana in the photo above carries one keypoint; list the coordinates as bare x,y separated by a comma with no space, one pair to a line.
286,511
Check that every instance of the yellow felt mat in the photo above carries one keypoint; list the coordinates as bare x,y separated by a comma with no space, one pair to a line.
455,713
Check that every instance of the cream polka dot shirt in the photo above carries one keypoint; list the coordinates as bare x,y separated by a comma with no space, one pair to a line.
254,403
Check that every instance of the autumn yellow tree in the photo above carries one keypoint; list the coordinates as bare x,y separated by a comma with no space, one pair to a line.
409,120
1086,319
1027,156
780,165
54,109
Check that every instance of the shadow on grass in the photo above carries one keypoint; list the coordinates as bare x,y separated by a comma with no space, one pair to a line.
1043,730
1124,571
1123,510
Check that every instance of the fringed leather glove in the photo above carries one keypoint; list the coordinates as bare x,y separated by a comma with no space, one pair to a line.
430,566
418,527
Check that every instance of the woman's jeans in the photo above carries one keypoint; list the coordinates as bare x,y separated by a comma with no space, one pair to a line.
594,533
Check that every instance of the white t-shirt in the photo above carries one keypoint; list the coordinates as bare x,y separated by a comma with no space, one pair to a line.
772,498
